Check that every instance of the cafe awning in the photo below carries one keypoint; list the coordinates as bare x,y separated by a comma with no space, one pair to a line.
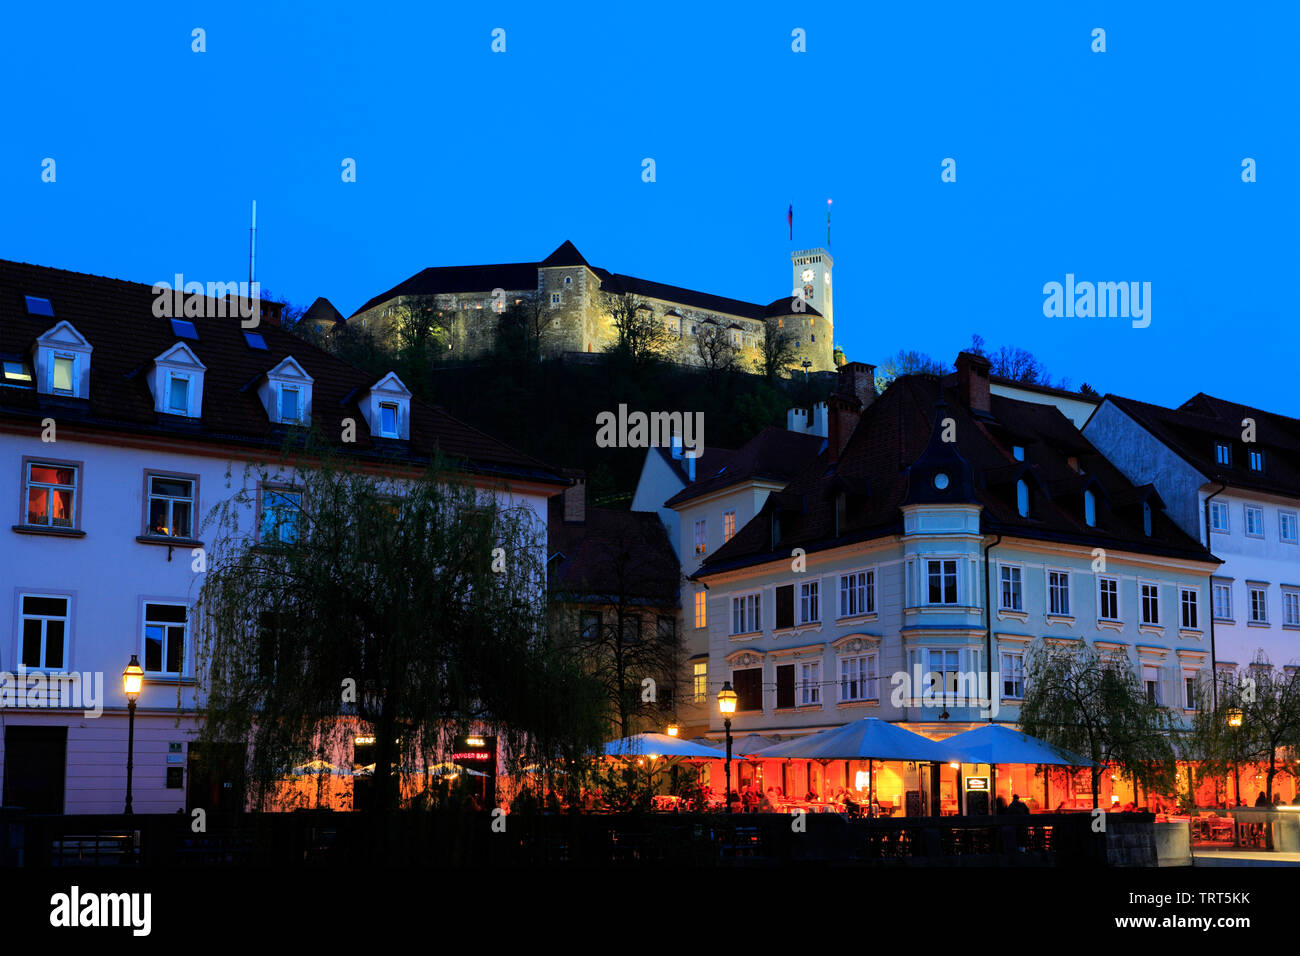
867,739
751,745
1000,744
659,745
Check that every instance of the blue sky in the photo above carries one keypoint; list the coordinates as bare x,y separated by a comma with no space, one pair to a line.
1115,166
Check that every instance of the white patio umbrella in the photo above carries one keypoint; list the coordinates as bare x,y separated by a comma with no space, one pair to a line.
659,745
867,739
1000,744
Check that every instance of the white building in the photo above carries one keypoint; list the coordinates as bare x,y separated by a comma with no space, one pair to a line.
119,432
1239,469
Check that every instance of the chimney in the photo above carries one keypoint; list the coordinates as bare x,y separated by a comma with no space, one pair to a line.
575,499
858,378
844,414
973,381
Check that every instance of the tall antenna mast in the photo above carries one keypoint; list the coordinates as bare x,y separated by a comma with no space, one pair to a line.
252,249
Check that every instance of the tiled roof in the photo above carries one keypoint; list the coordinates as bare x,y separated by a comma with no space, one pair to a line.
322,310
786,306
1194,429
707,464
891,440
620,556
117,318
774,454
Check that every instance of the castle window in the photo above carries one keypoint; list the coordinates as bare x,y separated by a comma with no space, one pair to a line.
568,280
813,336
555,298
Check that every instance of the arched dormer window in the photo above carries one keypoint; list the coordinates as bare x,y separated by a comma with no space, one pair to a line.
1089,509
1022,498
776,529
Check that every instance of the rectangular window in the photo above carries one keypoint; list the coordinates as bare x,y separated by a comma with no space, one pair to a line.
631,631
1189,610
171,506
1058,593
1189,691
942,675
44,628
746,615
942,581
289,410
1013,675
810,602
178,399
666,629
164,638
810,683
748,685
1258,605
701,535
62,374
857,593
784,686
700,681
728,525
701,609
51,494
1223,602
1288,530
1254,521
555,298
1012,594
1108,599
281,516
1256,461
387,420
1150,603
1219,516
785,606
1151,681
1291,608
1223,453
591,626
858,678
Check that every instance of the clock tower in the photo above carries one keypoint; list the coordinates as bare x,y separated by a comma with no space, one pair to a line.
812,280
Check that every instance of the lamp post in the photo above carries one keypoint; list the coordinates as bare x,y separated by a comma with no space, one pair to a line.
672,729
1234,721
727,707
132,681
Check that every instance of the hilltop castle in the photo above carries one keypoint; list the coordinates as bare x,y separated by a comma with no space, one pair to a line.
573,294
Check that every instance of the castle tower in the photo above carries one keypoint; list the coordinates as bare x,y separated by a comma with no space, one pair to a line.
812,280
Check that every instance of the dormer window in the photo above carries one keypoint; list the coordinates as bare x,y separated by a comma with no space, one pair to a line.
176,381
17,373
63,373
62,364
1022,498
386,407
1146,518
38,306
290,404
1089,509
1018,452
286,393
1256,461
1223,453
178,395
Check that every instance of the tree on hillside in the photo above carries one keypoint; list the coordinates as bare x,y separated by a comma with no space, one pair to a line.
778,349
907,362
641,337
415,607
715,349
519,328
1015,363
1094,706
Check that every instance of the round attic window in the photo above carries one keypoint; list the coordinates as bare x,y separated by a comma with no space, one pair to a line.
941,480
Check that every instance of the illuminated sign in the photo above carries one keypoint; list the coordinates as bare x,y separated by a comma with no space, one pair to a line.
479,756
977,783
363,740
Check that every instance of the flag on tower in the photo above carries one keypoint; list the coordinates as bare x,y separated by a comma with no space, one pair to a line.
828,223
789,218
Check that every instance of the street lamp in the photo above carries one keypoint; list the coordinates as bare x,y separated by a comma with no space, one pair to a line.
727,706
1234,721
132,681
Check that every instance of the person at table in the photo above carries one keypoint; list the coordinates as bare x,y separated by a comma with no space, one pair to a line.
1017,806
1261,800
765,804
1001,805
812,796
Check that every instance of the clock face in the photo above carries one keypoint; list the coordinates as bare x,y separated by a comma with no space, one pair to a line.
826,277
807,275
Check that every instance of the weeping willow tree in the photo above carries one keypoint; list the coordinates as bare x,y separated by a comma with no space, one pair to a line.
1095,706
412,606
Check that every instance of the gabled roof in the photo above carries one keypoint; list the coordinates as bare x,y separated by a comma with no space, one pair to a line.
888,453
612,556
1194,429
707,464
774,454
117,318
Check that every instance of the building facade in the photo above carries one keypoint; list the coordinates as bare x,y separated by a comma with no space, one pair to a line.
121,433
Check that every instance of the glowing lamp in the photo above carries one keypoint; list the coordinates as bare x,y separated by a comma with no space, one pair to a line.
727,700
133,679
